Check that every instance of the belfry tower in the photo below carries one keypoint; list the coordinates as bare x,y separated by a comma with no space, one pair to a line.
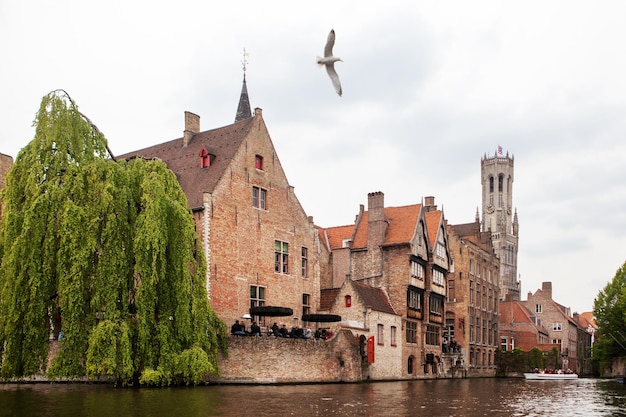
499,217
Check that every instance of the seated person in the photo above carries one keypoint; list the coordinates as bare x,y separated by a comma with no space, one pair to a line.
238,329
255,330
307,333
275,329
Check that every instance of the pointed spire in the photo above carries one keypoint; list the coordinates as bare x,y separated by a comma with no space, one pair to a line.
244,111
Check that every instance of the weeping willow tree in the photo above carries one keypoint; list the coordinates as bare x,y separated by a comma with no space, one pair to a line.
100,255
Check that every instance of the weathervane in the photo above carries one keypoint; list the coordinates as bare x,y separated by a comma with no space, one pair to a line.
244,62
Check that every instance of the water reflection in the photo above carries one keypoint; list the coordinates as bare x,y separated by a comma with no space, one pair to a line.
470,397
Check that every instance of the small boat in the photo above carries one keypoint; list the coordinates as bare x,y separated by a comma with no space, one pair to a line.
542,376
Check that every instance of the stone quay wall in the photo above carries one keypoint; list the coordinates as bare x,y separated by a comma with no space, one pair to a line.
271,360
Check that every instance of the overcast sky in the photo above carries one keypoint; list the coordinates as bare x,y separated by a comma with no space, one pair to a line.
429,89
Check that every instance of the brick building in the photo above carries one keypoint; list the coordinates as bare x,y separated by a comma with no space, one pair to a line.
557,320
260,246
472,309
403,251
518,328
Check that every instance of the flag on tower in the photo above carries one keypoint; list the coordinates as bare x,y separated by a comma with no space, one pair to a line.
499,150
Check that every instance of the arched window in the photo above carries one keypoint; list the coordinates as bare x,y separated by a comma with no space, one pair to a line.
500,182
491,183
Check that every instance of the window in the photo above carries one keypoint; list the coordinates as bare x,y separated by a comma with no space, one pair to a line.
281,257
432,335
471,267
257,296
205,158
305,262
556,341
557,327
258,162
451,291
417,270
438,278
259,198
491,184
436,305
537,308
411,332
414,299
441,251
500,182
393,336
380,334
306,304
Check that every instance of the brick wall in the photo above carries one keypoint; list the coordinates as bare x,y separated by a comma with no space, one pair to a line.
277,360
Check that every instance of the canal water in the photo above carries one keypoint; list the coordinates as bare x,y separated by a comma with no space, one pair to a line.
466,397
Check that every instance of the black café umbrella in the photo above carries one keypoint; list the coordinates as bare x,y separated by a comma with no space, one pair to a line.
271,311
321,318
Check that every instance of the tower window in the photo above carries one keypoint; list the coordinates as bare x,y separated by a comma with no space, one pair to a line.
258,162
500,182
491,184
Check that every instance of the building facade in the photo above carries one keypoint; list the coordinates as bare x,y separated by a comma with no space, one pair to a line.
557,320
260,246
403,252
500,218
472,312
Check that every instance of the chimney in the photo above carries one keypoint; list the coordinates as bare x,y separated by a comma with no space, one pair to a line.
547,288
192,126
429,204
376,223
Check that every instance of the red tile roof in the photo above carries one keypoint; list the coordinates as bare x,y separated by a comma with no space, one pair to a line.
402,223
333,237
185,161
433,221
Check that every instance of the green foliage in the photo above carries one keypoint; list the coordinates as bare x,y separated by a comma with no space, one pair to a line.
609,309
536,359
109,352
519,361
111,247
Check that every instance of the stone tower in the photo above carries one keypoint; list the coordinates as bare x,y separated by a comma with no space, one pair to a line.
499,217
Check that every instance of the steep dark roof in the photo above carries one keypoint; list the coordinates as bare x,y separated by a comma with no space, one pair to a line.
243,111
222,143
373,298
466,229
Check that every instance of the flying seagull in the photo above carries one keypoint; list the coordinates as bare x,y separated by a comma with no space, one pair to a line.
329,61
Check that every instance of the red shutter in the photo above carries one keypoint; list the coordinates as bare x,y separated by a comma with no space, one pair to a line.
370,349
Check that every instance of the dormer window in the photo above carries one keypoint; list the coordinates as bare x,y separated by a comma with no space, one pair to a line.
205,158
258,162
